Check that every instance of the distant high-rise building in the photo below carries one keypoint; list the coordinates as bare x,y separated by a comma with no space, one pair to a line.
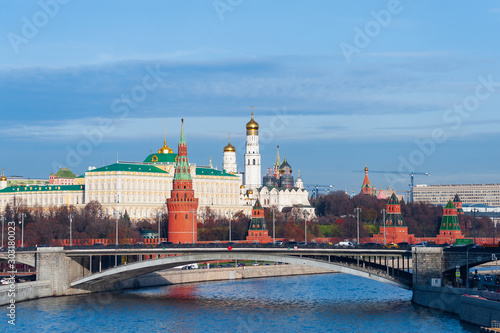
470,194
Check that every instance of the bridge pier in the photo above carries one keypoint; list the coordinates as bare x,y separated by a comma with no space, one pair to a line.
427,265
53,265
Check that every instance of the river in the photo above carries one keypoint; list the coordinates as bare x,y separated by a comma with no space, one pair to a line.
314,303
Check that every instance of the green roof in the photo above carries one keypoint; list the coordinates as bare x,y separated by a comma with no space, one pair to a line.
39,188
161,158
65,173
129,168
450,222
201,171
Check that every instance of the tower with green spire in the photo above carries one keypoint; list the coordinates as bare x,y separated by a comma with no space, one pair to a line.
257,231
450,218
393,218
182,205
395,230
449,230
458,204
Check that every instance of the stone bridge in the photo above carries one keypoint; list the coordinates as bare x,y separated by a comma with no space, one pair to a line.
74,271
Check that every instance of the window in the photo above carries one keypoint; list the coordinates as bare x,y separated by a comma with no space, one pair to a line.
175,216
254,161
186,216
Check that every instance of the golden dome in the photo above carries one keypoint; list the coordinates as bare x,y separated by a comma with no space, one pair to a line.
366,168
242,186
252,126
3,179
229,147
250,192
165,149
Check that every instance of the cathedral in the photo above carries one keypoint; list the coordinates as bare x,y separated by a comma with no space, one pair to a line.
142,188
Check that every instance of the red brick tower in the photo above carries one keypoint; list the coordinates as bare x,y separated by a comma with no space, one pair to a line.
257,231
458,204
449,231
182,205
395,227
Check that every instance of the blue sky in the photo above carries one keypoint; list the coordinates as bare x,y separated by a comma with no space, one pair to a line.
397,85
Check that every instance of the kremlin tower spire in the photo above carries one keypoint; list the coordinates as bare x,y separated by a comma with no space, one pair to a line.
182,205
277,164
366,188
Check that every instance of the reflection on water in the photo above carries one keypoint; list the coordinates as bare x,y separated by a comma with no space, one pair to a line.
320,303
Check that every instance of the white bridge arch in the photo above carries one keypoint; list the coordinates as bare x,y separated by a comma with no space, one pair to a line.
125,272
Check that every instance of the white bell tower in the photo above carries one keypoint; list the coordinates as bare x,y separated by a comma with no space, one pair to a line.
229,158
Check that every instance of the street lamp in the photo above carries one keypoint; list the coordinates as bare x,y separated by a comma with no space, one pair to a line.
116,227
384,211
192,212
159,230
467,273
306,215
70,230
3,218
230,217
474,211
22,229
357,218
274,228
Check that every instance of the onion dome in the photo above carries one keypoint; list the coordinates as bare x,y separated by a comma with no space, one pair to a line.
252,127
165,149
3,179
285,167
242,186
229,147
250,192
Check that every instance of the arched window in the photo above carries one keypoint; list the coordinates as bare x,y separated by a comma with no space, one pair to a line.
186,216
254,161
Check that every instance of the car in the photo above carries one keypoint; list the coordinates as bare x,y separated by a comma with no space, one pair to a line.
241,265
391,246
98,244
280,243
162,244
255,264
345,244
487,278
403,244
291,244
422,244
303,243
372,245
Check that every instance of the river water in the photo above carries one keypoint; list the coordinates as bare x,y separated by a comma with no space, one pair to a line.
314,303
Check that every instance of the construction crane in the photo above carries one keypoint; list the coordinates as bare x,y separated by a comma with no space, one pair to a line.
411,173
317,188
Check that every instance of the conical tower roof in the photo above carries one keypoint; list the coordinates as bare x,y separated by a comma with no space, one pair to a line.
450,218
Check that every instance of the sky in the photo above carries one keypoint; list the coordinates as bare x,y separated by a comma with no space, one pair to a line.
406,86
